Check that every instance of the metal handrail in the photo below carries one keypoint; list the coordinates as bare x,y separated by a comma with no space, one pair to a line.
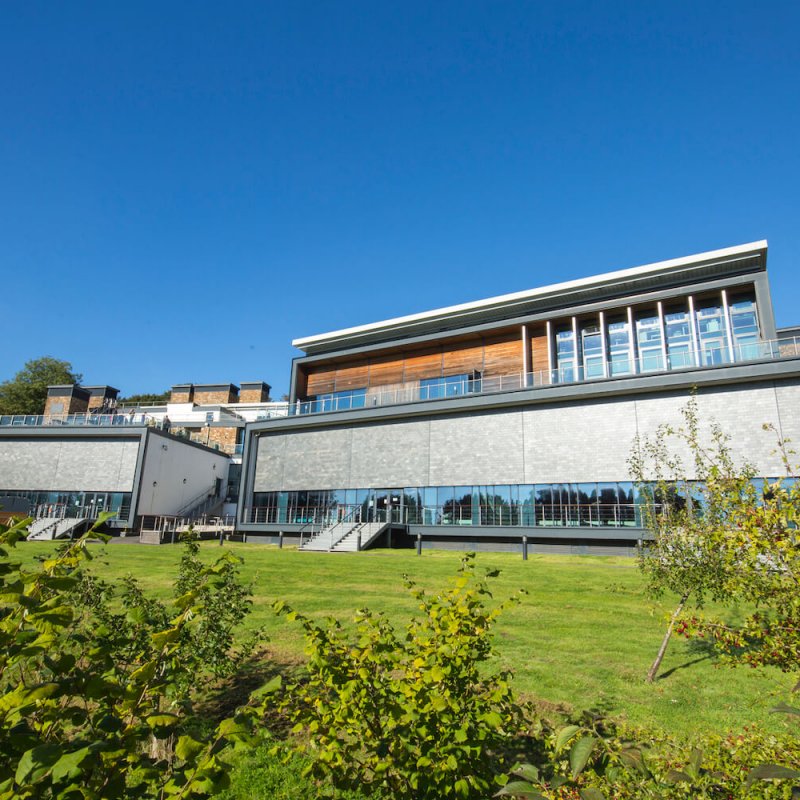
769,350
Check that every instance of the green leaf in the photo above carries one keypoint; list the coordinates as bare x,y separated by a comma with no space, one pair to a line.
520,789
188,748
592,794
677,776
527,771
579,754
564,735
68,766
163,720
35,761
771,772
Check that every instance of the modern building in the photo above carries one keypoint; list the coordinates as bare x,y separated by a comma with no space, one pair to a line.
66,475
90,453
510,420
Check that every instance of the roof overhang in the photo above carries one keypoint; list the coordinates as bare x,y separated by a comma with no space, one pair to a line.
750,257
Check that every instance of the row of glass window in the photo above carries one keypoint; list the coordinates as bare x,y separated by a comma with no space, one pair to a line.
612,504
584,358
593,504
74,503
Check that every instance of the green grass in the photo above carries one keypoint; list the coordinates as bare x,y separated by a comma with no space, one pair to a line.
583,637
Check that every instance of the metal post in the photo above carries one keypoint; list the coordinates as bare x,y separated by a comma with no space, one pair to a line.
524,548
358,542
221,536
280,540
419,544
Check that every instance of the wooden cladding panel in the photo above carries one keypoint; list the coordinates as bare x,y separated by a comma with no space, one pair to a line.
385,370
423,364
352,376
320,380
538,357
503,354
466,357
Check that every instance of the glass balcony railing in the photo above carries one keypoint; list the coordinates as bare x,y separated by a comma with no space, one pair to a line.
619,367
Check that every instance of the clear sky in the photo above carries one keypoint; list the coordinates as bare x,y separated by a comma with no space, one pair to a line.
186,187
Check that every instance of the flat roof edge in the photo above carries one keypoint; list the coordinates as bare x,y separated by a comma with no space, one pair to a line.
531,294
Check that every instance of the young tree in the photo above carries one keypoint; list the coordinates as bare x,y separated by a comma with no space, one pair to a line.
691,514
26,392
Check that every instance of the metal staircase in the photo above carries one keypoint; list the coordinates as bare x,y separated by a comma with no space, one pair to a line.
346,536
48,528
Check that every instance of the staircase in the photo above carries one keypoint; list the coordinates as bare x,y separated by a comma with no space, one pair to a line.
366,531
49,528
343,537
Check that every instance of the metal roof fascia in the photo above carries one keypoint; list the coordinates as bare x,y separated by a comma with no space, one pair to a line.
675,264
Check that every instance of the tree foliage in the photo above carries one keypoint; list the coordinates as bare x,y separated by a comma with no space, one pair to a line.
724,535
147,398
26,392
412,714
85,694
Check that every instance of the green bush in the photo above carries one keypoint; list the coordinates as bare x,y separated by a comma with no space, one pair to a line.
411,714
77,718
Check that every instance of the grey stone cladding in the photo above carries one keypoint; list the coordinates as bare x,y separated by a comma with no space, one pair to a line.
568,441
68,465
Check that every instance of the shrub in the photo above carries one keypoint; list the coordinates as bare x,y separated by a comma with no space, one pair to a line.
78,721
411,714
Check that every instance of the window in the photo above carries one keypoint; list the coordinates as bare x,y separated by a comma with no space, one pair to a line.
452,386
336,401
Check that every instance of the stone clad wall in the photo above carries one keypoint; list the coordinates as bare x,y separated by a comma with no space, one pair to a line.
566,442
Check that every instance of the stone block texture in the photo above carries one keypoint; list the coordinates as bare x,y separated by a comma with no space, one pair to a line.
68,465
571,441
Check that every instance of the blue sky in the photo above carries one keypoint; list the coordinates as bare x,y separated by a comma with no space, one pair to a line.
186,187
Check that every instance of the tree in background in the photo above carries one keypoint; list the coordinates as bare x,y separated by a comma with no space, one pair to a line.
146,399
26,392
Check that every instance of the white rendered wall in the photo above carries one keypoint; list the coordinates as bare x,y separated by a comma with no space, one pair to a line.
175,473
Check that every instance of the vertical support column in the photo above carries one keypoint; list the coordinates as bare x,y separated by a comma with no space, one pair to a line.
693,329
603,343
726,314
632,343
577,372
663,334
549,352
526,366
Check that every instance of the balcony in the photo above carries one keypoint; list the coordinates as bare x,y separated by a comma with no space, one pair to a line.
663,361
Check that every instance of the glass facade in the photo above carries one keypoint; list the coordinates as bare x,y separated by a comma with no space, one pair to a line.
535,505
565,355
685,332
452,386
75,504
614,504
337,401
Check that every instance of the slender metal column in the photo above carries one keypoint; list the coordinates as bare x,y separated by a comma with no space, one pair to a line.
693,329
549,353
663,334
577,352
728,327
526,367
632,343
603,346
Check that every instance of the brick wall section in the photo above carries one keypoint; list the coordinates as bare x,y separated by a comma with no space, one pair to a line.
65,404
216,396
222,438
181,394
254,395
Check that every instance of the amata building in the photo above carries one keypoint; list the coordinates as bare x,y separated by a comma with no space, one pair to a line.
511,419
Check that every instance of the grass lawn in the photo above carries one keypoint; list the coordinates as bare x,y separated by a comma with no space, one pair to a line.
583,637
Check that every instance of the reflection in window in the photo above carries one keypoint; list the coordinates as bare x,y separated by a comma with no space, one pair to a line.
648,336
452,386
679,338
565,355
